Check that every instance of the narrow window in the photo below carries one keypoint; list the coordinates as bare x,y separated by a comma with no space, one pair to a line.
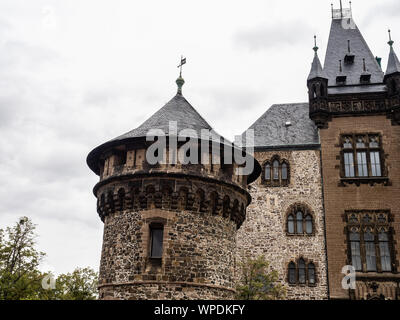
375,164
370,251
302,271
292,273
276,170
290,224
349,164
284,171
156,235
267,172
311,274
386,263
362,164
355,250
309,225
299,218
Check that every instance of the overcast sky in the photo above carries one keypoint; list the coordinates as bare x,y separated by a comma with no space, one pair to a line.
74,74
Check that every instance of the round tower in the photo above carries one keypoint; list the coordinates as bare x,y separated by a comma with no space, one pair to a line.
170,224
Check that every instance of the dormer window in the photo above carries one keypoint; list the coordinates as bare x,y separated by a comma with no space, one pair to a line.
349,58
365,78
341,80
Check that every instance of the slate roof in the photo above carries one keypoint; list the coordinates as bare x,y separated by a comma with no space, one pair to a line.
393,63
177,109
271,131
343,30
316,68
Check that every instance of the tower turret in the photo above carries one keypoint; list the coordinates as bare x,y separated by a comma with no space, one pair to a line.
171,201
317,83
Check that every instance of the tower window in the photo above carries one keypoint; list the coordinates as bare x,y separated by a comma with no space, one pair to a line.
369,246
156,237
362,156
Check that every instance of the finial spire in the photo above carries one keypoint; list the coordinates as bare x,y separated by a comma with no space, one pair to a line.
315,44
390,43
180,82
341,9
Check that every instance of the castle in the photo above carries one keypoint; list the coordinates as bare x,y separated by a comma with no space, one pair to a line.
323,197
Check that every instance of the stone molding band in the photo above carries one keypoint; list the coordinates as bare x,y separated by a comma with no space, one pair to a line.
189,284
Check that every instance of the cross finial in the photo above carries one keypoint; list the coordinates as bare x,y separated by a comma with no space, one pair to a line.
390,43
180,82
315,44
183,61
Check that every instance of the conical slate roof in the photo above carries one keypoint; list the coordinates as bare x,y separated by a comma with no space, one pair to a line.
316,68
343,30
393,63
178,110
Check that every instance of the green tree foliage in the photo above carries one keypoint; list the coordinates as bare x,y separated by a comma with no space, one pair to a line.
19,261
20,278
259,282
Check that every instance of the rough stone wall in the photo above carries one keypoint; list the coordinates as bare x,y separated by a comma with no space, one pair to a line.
339,198
264,231
198,259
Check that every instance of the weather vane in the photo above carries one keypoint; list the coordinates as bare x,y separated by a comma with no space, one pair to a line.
183,61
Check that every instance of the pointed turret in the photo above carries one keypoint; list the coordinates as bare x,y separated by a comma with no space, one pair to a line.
392,75
317,83
316,66
393,62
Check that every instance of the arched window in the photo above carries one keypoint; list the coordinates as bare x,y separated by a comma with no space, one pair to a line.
311,274
267,172
276,170
292,273
299,222
309,225
291,224
302,271
284,171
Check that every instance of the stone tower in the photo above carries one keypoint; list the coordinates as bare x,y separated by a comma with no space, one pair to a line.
169,227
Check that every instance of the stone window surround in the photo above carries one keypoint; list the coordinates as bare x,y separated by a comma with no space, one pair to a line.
383,179
275,183
392,242
307,262
306,210
154,263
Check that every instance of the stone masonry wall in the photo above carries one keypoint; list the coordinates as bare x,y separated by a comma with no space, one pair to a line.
264,231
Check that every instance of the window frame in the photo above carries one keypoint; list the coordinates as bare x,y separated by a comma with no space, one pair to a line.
153,227
375,226
293,269
356,152
273,181
306,213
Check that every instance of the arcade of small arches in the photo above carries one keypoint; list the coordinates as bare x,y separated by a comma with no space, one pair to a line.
172,195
